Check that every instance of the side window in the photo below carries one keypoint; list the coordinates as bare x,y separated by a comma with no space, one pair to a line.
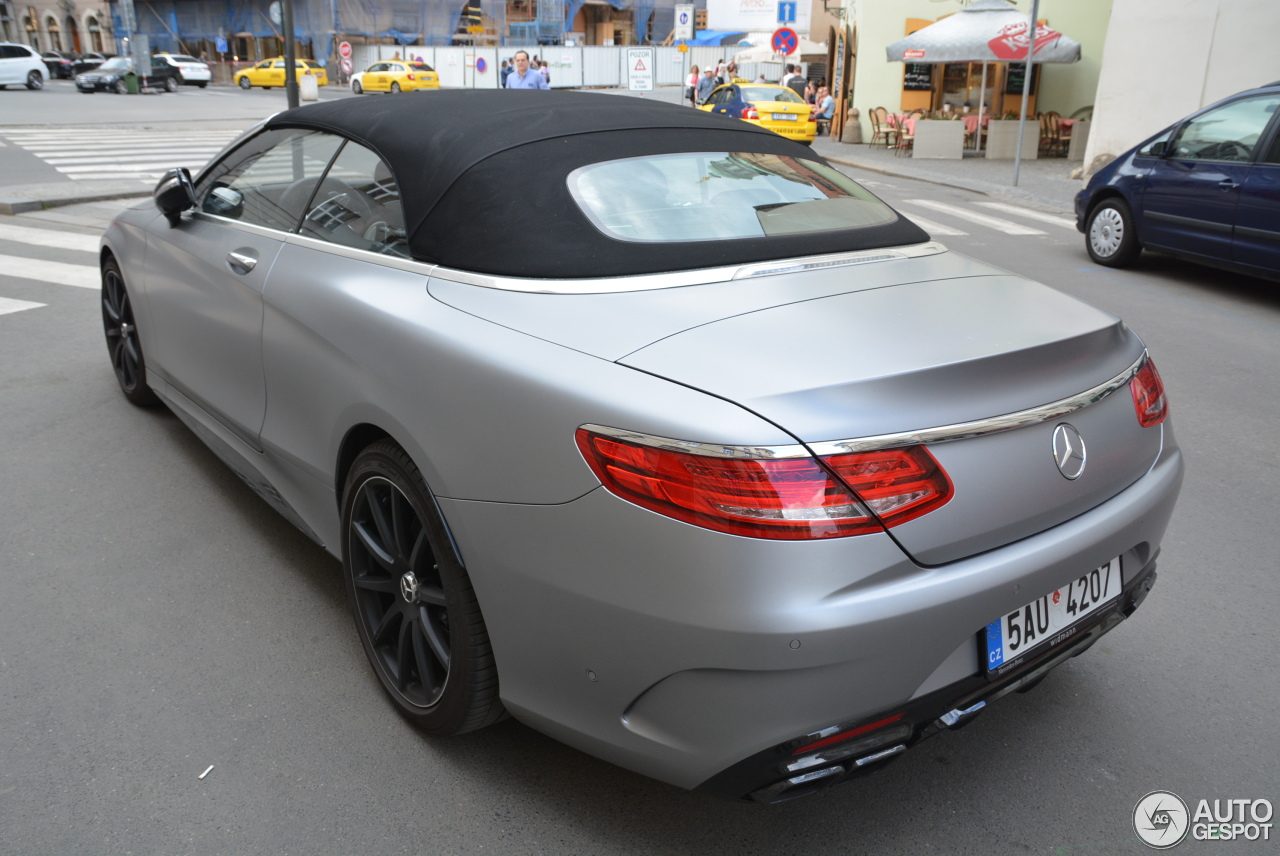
279,64
268,180
1228,133
1273,156
358,205
266,64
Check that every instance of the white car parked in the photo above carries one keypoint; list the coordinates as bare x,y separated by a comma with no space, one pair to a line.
19,64
194,72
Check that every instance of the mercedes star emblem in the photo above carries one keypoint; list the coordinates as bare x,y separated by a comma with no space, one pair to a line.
1068,450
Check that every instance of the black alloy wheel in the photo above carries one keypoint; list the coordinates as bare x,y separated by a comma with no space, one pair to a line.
123,344
35,80
415,610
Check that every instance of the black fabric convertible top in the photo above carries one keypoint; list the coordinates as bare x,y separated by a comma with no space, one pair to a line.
482,177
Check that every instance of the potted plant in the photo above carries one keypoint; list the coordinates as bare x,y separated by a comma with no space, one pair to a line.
939,137
1002,137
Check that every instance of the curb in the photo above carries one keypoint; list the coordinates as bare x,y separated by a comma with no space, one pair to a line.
22,203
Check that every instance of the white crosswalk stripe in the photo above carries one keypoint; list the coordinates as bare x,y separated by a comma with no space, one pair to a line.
101,153
933,227
1034,215
49,238
8,305
1000,225
59,273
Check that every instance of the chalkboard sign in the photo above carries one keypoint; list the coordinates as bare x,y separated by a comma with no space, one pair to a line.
1017,76
918,78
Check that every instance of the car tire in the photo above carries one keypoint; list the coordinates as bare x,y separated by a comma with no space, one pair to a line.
35,80
395,88
356,87
415,610
123,344
1110,235
171,84
244,83
122,88
202,83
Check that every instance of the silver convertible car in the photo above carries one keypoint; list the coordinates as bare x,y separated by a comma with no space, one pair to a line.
649,429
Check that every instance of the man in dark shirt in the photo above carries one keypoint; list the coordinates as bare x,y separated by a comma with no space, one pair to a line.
706,85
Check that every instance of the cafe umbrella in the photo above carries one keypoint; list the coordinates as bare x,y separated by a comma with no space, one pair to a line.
986,31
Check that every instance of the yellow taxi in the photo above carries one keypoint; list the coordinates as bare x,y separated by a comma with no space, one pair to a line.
765,104
395,75
270,72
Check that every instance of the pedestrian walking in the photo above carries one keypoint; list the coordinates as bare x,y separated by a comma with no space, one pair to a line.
720,71
691,86
525,77
706,85
504,73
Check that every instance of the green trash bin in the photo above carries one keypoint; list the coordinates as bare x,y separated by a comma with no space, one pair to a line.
131,82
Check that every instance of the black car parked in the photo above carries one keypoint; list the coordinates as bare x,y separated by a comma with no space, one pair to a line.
89,61
61,64
110,76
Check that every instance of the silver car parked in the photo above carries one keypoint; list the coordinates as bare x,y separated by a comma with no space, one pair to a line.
650,429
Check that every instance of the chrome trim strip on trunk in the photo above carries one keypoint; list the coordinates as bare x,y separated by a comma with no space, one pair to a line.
925,436
677,279
982,427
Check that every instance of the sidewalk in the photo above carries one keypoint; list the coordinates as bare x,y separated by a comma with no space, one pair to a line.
1041,183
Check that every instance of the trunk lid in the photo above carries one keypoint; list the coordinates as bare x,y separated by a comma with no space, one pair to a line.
934,353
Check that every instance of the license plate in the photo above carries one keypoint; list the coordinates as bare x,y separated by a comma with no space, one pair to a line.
1043,621
784,117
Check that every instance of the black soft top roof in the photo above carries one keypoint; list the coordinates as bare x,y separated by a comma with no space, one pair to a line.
482,177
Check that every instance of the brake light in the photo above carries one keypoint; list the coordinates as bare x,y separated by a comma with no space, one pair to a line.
750,112
787,499
1148,396
848,734
410,75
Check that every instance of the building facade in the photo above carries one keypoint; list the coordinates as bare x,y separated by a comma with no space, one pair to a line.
57,25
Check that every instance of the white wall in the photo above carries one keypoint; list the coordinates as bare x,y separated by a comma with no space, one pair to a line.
1166,58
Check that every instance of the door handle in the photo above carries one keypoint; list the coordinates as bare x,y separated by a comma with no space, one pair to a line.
1227,184
240,260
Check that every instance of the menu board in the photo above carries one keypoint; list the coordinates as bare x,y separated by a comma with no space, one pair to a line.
1017,76
918,77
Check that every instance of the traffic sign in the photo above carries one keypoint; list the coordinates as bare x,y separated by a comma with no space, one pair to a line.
785,41
344,49
220,45
346,65
481,65
684,21
786,11
640,69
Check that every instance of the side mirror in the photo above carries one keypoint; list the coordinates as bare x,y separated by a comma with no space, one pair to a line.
174,194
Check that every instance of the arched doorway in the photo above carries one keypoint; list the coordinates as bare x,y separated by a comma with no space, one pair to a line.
73,35
55,33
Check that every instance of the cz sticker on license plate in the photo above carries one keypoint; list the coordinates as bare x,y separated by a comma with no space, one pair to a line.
1042,621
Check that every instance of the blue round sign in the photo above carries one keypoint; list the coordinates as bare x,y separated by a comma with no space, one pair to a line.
785,40
481,65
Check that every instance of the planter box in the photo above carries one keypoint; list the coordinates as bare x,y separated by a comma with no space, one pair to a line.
1002,139
1079,139
939,138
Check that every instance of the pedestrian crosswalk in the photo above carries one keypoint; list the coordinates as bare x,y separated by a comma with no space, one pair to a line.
961,219
26,249
105,153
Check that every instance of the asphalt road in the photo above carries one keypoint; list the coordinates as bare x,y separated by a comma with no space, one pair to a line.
157,618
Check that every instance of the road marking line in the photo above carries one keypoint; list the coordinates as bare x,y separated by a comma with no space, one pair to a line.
122,176
49,238
145,166
1006,226
149,157
1034,215
932,227
8,305
59,273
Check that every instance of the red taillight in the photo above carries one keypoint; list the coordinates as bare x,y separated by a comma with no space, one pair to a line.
845,735
787,499
1148,396
410,75
897,484
750,113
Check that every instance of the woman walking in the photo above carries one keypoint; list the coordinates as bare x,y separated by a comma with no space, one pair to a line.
691,86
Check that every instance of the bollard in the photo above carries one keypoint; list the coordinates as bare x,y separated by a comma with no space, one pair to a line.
308,88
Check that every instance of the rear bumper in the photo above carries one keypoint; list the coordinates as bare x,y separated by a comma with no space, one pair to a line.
691,656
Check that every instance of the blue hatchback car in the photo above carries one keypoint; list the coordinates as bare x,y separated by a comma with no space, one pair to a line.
1206,189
